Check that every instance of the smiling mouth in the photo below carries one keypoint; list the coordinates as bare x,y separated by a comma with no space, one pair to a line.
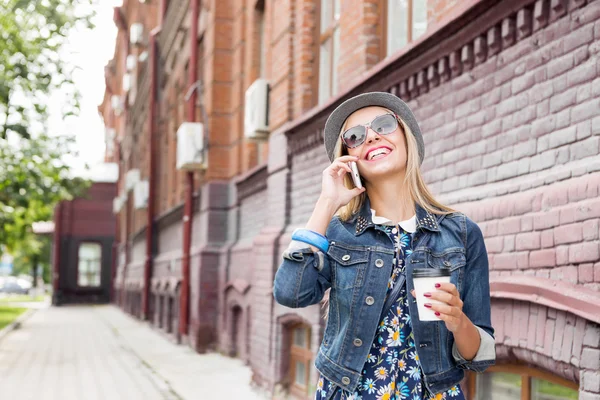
378,153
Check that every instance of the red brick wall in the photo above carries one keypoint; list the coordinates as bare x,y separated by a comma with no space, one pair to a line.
360,40
437,10
510,113
305,42
90,215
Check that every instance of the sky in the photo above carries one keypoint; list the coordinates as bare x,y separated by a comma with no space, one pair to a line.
90,51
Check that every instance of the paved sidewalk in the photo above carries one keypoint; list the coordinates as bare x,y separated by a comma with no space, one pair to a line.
191,375
98,352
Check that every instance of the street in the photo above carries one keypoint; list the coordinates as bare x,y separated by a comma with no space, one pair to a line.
97,352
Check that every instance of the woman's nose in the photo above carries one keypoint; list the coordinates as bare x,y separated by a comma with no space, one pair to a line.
372,136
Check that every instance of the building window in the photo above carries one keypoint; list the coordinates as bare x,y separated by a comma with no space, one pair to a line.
521,382
406,21
89,264
329,48
300,360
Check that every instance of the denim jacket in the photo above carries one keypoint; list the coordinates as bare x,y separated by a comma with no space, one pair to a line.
357,268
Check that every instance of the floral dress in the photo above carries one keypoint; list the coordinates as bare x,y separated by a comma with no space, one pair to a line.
392,370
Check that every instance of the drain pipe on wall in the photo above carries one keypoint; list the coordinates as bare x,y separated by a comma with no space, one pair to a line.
152,111
188,210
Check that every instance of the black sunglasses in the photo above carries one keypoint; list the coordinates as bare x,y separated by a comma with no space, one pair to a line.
382,125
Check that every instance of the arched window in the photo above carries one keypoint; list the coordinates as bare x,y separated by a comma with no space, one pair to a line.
300,359
502,382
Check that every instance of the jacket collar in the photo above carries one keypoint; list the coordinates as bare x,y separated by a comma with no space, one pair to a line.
425,220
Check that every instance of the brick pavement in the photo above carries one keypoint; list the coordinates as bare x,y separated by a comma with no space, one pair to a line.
97,352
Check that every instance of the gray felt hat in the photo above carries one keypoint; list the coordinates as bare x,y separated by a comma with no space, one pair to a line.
336,120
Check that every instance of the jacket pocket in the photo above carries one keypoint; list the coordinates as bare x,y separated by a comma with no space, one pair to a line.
349,264
451,259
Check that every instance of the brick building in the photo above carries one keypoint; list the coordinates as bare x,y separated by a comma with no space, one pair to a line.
507,94
82,249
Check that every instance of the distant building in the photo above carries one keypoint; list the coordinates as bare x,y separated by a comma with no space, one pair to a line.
507,94
83,239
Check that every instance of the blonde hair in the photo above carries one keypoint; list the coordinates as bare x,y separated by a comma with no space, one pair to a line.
417,188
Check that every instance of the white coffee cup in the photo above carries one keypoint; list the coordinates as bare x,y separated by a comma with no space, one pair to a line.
424,280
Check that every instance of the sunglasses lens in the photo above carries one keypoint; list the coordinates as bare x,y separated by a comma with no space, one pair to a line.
384,124
354,137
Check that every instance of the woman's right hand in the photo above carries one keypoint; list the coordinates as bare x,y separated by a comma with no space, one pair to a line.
333,189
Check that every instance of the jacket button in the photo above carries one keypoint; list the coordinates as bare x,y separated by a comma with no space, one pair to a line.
379,263
346,257
346,380
370,300
357,342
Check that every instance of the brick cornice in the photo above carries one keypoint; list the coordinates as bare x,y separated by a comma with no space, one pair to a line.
558,295
171,216
252,182
429,40
470,34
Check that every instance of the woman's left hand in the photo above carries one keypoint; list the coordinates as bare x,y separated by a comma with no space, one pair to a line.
450,311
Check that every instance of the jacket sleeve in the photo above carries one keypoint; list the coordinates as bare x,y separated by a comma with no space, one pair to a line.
476,301
302,277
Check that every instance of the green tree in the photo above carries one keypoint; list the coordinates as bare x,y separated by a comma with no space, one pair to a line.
32,34
33,173
26,258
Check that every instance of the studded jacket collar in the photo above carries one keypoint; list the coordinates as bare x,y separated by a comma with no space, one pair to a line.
425,220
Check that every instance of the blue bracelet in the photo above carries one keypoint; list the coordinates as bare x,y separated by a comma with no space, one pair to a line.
312,238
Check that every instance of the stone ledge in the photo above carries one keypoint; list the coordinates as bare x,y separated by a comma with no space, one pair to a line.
558,295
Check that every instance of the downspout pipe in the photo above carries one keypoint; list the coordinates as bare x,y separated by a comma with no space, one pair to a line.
188,210
115,296
57,249
164,5
152,111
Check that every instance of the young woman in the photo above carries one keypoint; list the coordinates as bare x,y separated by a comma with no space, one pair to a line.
364,244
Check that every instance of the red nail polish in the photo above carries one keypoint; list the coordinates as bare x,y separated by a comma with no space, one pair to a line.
427,294
437,285
437,313
427,305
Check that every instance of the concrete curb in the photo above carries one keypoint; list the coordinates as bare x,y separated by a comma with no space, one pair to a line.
16,324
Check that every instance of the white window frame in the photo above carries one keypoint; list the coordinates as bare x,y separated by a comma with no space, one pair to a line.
91,275
408,17
329,48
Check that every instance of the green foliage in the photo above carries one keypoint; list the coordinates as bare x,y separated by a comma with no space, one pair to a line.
33,173
33,178
34,250
9,314
22,298
32,33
